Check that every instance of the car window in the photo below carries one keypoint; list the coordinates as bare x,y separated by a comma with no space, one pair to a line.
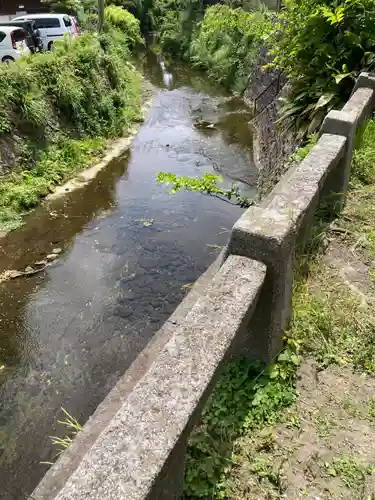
48,22
19,35
67,21
2,36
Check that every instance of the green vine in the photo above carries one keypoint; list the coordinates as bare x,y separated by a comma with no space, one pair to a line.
207,184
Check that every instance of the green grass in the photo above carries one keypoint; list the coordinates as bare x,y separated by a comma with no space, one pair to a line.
351,471
58,110
73,427
348,404
246,399
331,323
324,424
371,407
22,190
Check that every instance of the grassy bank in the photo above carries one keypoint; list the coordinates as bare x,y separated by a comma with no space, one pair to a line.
303,428
58,111
227,44
220,40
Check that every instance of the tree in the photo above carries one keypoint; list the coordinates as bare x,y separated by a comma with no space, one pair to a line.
101,15
66,6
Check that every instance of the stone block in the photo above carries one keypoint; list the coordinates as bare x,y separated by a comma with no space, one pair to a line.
365,80
342,123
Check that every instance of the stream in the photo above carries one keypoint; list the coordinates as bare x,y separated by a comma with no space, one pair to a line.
130,250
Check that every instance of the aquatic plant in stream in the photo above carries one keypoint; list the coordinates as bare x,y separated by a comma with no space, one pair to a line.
73,427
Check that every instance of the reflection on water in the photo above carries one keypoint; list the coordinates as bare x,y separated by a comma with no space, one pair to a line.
167,76
69,333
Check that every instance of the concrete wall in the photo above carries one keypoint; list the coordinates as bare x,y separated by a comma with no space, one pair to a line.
133,448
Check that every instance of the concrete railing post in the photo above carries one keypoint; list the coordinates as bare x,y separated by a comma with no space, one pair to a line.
365,80
266,236
269,234
345,124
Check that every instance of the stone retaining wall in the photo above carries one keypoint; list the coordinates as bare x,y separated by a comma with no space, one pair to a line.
134,445
272,145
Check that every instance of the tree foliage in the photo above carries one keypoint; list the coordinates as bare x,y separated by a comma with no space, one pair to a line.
65,6
322,45
228,42
122,20
175,22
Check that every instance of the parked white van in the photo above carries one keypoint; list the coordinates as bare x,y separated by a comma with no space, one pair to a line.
51,26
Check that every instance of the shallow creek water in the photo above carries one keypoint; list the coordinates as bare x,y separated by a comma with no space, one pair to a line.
128,249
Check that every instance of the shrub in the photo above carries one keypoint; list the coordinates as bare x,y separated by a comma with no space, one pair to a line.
79,86
228,43
125,22
322,45
57,109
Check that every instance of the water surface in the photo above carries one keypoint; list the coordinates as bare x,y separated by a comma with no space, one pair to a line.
129,250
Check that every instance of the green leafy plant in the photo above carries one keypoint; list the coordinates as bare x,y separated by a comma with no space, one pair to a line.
56,111
125,22
304,150
247,397
322,45
207,184
351,471
228,42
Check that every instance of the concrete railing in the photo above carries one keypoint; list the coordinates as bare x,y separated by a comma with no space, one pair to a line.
134,445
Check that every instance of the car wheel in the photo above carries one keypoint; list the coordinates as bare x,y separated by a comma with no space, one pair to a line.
50,46
7,59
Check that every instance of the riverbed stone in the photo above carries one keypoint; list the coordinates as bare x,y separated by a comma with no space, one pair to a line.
57,251
123,311
50,257
126,295
40,263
